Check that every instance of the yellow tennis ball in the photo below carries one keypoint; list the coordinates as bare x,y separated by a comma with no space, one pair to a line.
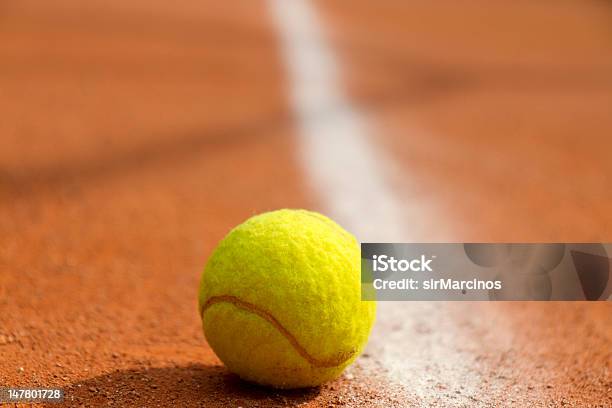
280,300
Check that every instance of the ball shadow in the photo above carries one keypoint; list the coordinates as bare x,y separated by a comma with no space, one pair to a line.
181,386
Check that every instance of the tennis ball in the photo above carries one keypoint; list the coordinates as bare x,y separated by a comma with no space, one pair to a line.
280,300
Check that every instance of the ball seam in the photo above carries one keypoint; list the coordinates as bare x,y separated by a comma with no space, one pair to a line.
335,361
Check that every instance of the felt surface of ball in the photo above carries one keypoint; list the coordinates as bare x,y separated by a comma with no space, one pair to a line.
280,300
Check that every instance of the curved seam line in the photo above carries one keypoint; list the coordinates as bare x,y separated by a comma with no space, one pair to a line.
264,314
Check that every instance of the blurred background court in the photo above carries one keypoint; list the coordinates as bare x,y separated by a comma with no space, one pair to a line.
135,134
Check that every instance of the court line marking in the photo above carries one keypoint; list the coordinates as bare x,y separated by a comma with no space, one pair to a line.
346,168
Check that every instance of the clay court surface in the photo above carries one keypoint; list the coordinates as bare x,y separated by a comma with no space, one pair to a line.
134,135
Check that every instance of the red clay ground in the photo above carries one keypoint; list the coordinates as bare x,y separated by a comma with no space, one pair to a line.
133,136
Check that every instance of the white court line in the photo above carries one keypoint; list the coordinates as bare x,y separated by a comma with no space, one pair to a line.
345,167
351,176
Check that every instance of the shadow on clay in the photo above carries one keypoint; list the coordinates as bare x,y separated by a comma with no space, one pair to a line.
186,386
